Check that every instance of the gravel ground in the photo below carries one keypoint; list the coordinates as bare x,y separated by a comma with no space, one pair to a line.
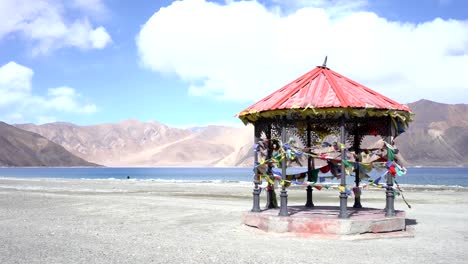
118,221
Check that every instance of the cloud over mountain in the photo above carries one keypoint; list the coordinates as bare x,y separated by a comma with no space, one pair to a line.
243,50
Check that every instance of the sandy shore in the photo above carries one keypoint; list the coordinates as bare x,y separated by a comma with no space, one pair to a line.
115,221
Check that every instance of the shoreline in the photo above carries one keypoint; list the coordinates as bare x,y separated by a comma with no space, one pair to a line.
201,166
406,187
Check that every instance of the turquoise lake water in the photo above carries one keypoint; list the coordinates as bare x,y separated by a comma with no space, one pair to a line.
417,176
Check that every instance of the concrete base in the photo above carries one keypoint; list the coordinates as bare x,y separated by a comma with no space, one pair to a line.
323,220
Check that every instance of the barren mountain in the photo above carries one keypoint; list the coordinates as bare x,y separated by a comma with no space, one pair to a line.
437,137
135,143
23,148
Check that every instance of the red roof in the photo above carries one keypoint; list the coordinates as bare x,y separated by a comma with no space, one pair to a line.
324,88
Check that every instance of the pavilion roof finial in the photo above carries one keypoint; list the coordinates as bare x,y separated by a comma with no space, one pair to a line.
324,65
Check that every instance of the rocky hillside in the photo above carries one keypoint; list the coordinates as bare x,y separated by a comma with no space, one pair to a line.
135,143
23,148
438,136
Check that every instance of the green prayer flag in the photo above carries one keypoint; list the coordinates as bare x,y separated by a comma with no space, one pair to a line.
313,175
390,155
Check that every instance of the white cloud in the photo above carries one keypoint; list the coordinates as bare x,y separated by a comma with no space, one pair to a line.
15,83
46,119
99,38
45,23
333,7
13,118
444,2
65,99
61,92
94,7
243,51
234,122
18,100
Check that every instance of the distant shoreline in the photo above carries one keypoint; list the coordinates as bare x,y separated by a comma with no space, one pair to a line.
204,167
247,184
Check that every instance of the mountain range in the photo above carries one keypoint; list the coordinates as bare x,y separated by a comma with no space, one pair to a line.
438,136
134,143
23,148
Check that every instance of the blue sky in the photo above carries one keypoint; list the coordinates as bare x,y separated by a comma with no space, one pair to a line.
196,62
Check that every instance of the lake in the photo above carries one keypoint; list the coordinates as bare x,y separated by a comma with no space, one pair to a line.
417,176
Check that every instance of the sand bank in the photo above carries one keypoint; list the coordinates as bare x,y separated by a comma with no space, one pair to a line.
120,221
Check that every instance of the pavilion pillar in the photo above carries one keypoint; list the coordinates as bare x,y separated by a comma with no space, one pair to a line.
256,190
284,194
357,150
310,167
390,199
271,196
343,196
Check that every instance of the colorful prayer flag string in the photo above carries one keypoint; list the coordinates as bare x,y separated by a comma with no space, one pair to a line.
280,151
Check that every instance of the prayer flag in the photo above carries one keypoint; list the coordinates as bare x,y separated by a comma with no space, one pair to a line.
376,181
